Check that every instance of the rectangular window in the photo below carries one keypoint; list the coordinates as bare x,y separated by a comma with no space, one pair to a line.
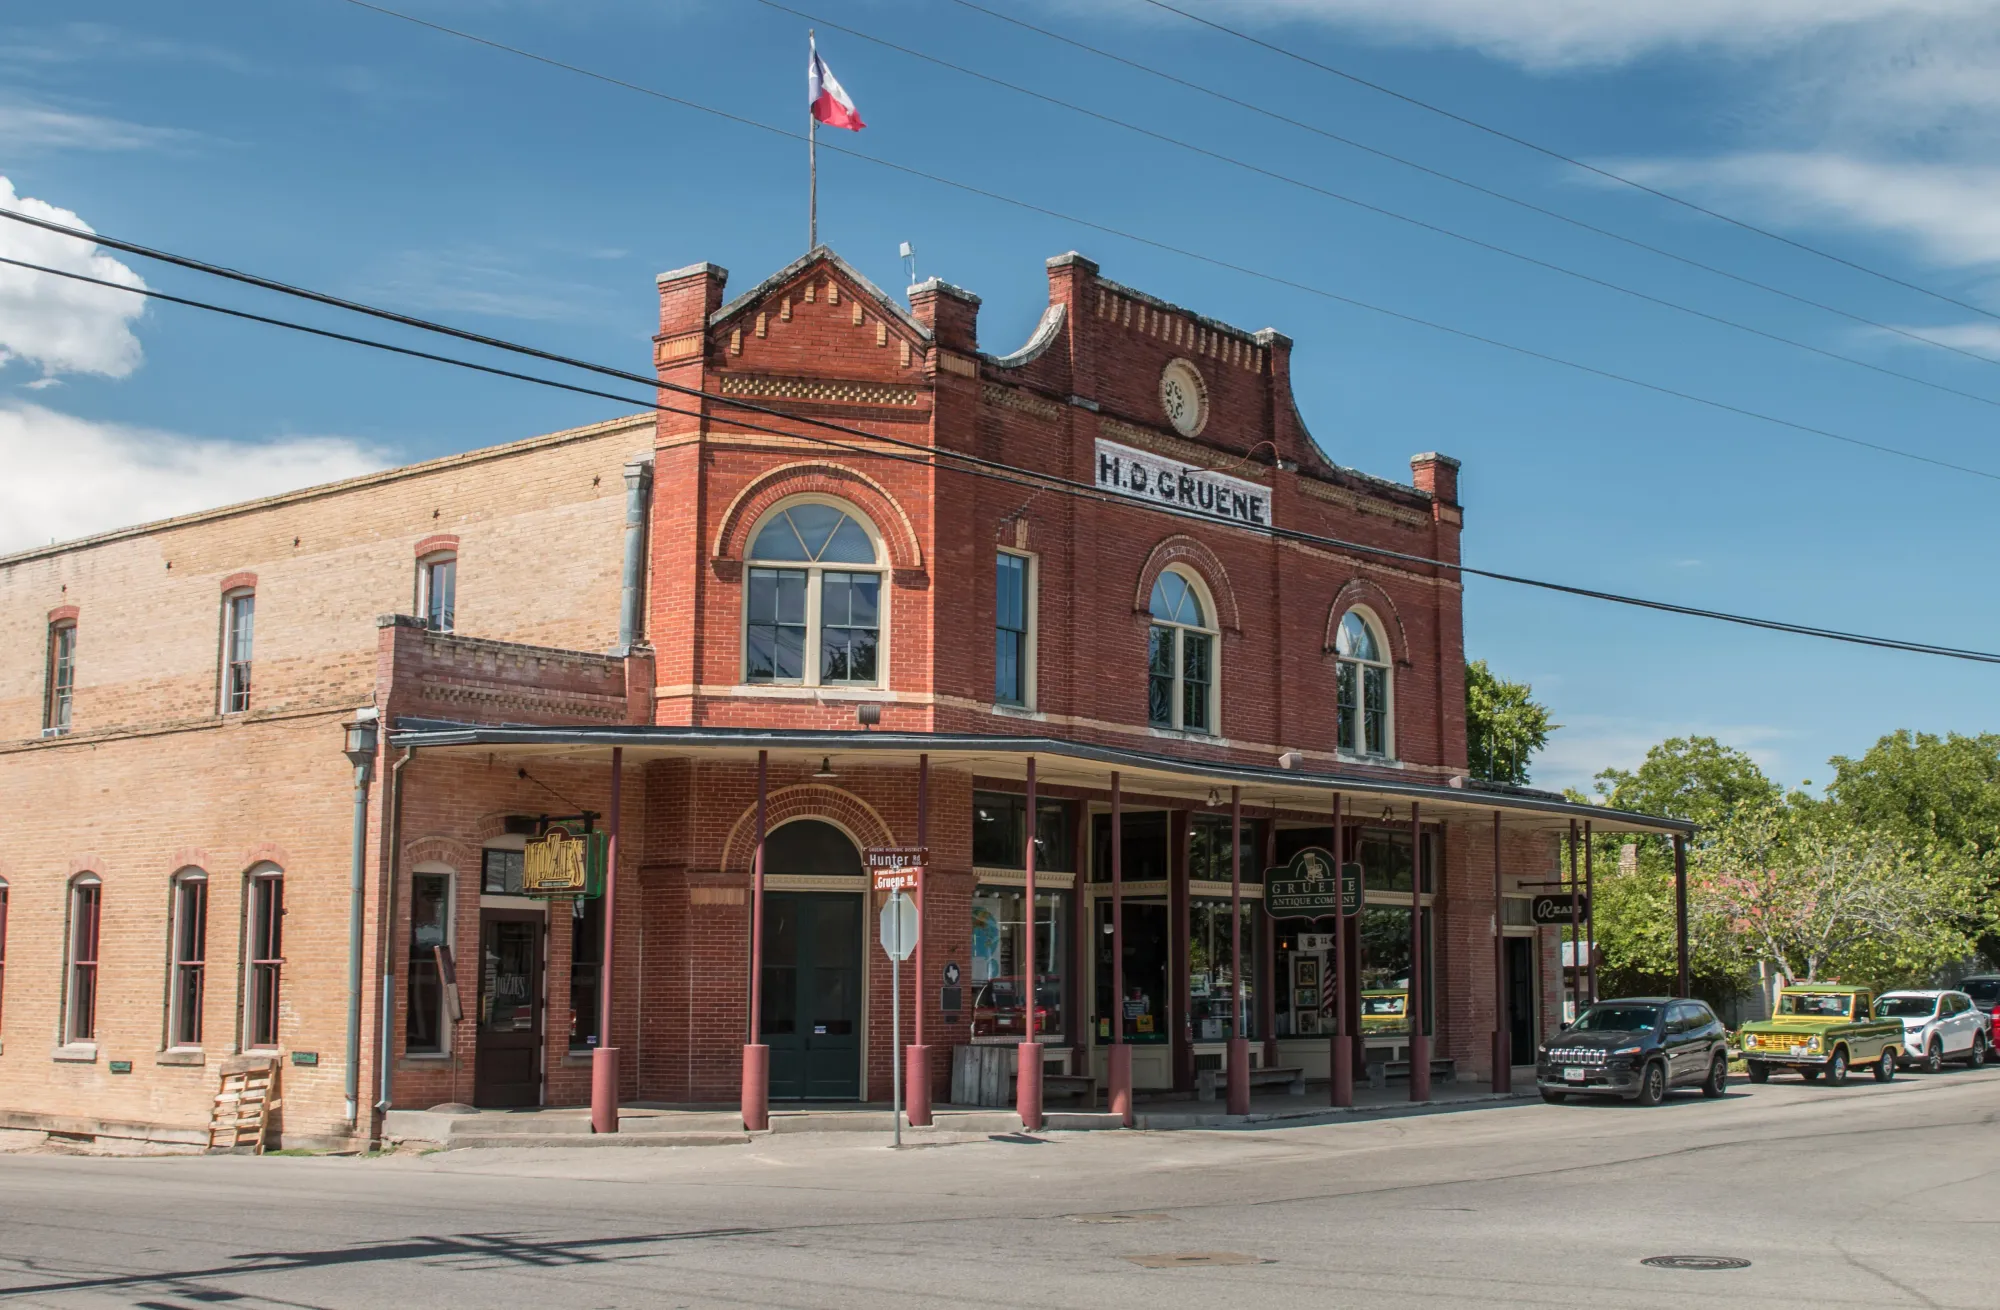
1146,1005
267,930
61,679
440,593
1208,850
85,909
1384,854
239,621
999,826
430,911
1197,673
586,972
1010,629
1143,851
189,962
1375,709
999,958
776,629
1347,696
1385,970
849,626
1212,968
501,872
1160,677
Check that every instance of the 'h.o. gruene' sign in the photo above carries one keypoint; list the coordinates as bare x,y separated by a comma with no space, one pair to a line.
1143,476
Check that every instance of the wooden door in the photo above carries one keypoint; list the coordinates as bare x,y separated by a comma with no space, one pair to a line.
812,994
507,1069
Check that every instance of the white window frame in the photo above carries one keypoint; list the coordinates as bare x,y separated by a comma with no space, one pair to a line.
1387,664
425,563
1031,631
1214,634
59,695
177,910
815,574
229,599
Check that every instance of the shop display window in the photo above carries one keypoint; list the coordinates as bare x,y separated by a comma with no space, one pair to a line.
1208,850
586,971
999,950
1212,969
1304,959
1145,1006
1385,970
1145,853
999,826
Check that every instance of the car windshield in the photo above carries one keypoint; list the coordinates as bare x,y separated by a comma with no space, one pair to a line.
1905,1007
1618,1019
1984,990
1817,1005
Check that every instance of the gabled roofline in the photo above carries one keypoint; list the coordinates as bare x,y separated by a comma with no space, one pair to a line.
817,255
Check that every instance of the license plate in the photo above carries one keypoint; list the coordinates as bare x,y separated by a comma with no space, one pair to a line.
1573,1075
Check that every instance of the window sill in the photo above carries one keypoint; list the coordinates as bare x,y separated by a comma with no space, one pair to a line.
840,691
1005,710
426,1057
75,1053
580,1059
1372,761
192,1055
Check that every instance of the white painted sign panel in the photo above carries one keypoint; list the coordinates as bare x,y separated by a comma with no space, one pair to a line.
1145,476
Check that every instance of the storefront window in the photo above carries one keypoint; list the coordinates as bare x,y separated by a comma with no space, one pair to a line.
1303,976
1385,970
1208,850
1145,1008
998,828
1145,847
586,961
1384,854
999,958
501,873
430,902
1212,969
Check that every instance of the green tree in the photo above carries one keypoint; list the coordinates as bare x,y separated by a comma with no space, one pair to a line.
1504,725
1694,778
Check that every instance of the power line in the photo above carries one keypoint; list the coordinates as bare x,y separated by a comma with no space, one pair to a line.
1443,176
1167,247
973,466
1573,161
1383,211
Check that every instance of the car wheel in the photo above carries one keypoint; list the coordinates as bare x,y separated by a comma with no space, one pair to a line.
1836,1067
1718,1077
1555,1098
1653,1084
1977,1057
1934,1057
1885,1068
1759,1071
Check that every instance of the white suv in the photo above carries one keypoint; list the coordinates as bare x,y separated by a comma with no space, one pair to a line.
1938,1026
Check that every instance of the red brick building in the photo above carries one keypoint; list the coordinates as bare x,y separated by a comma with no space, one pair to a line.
904,572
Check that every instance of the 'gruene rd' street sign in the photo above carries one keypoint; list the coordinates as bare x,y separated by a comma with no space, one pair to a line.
897,868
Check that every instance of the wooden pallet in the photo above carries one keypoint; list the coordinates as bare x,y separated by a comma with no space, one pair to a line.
244,1103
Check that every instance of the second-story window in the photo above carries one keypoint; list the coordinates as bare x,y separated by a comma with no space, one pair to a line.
1362,687
812,611
1013,629
437,591
1180,662
239,630
61,678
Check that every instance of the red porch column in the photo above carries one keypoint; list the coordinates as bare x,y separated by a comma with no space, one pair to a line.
1503,1038
604,1060
1028,1075
917,1061
1118,1060
1344,1047
1267,942
756,1055
1420,1042
1239,1038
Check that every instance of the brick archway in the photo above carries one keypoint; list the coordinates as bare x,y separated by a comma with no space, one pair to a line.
811,800
1192,554
820,478
1360,591
438,849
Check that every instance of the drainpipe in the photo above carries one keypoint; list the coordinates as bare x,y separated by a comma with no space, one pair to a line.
361,746
394,801
632,591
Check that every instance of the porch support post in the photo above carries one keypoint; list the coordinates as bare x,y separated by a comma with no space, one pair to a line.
1118,1060
1681,913
1267,951
1239,1036
1573,974
1347,941
1028,1075
1503,1037
756,1055
1589,962
1420,1042
604,1059
1342,1048
917,1060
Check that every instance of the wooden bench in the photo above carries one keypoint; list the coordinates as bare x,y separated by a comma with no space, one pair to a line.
1080,1085
1380,1073
1294,1080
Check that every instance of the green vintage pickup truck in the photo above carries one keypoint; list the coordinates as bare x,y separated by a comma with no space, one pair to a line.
1822,1028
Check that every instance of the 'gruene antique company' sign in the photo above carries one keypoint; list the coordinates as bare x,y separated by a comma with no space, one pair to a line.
1145,476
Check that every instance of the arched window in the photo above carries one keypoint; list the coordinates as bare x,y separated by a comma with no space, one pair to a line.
813,609
1180,661
264,960
86,909
1363,686
437,590
188,965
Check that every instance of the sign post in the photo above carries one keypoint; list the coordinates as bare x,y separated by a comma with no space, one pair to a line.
899,939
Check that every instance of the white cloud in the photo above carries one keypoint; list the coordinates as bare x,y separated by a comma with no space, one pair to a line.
60,325
26,126
1588,745
1981,338
69,477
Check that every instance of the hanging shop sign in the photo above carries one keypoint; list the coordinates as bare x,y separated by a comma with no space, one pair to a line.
897,868
1307,888
563,863
1145,476
1555,907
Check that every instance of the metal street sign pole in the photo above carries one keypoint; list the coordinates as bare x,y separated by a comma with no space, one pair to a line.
896,1026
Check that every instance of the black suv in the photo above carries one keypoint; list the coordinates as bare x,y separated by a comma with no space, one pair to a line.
1640,1049
1984,989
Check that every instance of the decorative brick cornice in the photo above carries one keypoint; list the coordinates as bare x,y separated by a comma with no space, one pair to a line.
1192,554
820,477
1360,591
843,809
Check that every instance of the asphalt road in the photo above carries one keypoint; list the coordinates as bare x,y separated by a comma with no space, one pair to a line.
1863,1195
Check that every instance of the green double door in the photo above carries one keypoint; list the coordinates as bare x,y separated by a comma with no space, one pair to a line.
812,994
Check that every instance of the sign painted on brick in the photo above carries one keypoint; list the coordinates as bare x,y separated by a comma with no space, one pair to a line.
1145,476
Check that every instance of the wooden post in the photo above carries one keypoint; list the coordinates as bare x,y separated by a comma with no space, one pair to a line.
1420,1042
604,1059
1239,1037
1028,1074
1344,1049
1118,1060
756,1055
917,1061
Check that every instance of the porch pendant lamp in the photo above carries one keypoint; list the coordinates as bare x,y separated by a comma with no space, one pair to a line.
825,769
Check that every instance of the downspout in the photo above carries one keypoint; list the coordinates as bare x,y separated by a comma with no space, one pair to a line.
632,589
357,905
392,868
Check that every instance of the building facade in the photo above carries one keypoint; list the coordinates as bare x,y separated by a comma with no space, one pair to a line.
855,576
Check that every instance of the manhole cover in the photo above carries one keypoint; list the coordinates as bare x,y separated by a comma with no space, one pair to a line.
1118,1217
1188,1259
1695,1262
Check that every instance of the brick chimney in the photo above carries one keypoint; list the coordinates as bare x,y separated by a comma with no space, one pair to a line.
1436,474
951,313
688,296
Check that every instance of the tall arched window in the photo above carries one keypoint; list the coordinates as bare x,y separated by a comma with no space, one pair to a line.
1362,677
86,910
264,956
1180,660
812,611
188,964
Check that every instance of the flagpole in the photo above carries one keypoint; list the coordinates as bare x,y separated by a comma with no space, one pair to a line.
812,169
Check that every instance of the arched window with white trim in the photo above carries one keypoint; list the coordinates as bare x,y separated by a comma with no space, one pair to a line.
813,600
1364,687
1180,655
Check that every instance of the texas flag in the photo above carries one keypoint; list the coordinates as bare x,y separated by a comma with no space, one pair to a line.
830,102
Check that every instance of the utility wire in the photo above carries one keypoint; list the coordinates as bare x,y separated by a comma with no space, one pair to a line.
1212,261
1292,180
975,466
1529,205
1572,160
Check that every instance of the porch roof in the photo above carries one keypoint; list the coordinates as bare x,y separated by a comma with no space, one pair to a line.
1060,762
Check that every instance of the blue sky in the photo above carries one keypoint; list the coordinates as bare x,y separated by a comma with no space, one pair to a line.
321,143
